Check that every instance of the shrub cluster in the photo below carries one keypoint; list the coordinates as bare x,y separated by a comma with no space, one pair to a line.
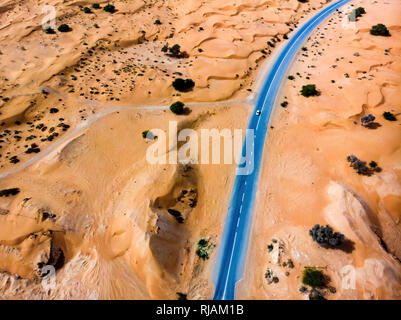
183,85
177,107
50,30
203,249
175,51
109,8
325,236
64,28
313,277
389,116
367,120
147,134
361,166
181,296
356,13
309,90
9,192
380,30
176,214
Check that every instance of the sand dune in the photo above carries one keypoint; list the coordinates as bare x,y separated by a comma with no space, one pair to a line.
306,179
115,226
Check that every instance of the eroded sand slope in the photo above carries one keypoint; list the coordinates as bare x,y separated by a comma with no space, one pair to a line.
95,209
306,179
86,201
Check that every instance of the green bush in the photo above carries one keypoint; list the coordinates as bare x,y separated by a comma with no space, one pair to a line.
389,116
316,296
312,277
183,85
325,235
177,107
181,296
204,249
175,52
87,10
309,90
109,8
158,22
356,13
9,192
96,6
361,166
380,30
147,134
50,30
64,28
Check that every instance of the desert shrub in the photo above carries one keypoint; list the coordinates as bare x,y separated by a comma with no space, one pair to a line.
50,30
158,22
96,6
304,49
64,28
368,120
325,236
204,249
109,8
9,192
316,295
34,148
291,77
380,30
175,52
303,1
312,277
87,10
389,116
147,134
176,214
284,104
356,13
177,107
183,85
309,90
181,296
361,166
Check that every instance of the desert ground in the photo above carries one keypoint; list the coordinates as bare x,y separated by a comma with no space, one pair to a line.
76,189
306,179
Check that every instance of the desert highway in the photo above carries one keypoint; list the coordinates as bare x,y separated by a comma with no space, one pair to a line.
232,252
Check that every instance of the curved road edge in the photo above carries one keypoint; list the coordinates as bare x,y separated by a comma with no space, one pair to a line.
231,257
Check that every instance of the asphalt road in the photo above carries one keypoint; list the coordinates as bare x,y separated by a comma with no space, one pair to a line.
233,247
